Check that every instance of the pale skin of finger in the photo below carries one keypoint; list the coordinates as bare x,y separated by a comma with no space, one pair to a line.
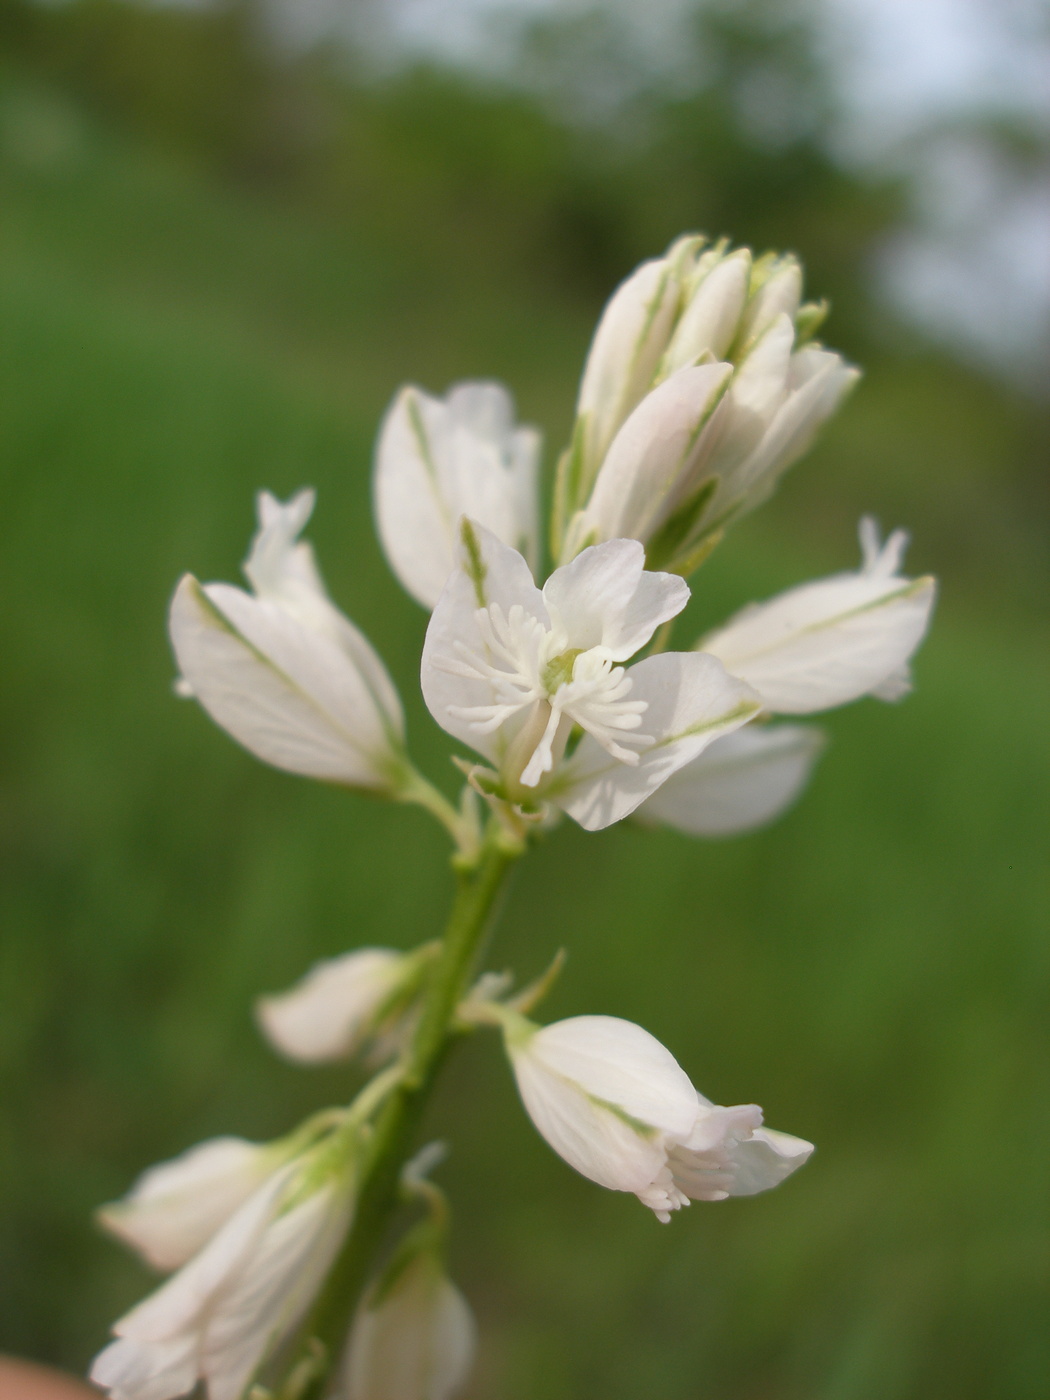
26,1380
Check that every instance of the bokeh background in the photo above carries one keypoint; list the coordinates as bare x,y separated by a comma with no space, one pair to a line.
227,234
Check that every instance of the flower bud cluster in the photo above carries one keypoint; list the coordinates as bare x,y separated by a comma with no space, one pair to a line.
703,384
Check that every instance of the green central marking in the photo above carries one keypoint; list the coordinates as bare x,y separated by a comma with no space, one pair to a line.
558,671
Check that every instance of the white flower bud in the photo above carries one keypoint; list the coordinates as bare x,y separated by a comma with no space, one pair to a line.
283,670
440,459
340,1005
618,1107
671,465
238,1301
175,1208
413,1338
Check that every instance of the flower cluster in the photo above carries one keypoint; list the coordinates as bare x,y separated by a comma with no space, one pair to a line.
702,385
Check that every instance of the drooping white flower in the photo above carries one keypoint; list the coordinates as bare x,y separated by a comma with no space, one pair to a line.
440,459
282,669
832,641
175,1208
510,670
229,1309
340,1005
618,1107
413,1338
700,389
741,782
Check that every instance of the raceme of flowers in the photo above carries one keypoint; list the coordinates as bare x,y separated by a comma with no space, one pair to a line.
564,697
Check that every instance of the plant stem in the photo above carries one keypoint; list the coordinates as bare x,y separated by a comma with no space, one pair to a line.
477,891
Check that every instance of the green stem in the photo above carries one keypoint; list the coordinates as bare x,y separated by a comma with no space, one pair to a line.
477,892
418,791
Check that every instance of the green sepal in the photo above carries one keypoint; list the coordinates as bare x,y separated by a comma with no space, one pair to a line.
811,316
568,487
673,534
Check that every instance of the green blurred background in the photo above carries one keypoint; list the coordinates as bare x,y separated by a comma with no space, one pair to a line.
219,257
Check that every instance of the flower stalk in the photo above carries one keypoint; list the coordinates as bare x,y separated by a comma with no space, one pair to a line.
478,889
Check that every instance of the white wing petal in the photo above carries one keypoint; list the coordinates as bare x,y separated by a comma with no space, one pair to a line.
621,1064
328,1012
291,696
740,782
825,643
438,460
689,706
175,1208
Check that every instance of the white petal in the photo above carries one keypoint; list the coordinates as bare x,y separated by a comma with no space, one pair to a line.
488,573
757,390
765,1159
650,465
689,706
265,1301
631,336
237,1300
709,322
175,1208
291,696
825,643
283,570
438,460
604,598
740,782
331,1010
779,295
277,562
817,383
416,1343
133,1370
593,1139
181,1304
619,1063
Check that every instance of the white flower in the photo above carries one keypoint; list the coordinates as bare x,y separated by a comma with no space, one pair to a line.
175,1208
510,670
437,460
341,1004
613,1102
833,640
413,1338
231,1308
700,389
282,669
741,782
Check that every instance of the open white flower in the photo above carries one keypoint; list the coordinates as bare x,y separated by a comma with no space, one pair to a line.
510,670
700,389
439,459
741,782
229,1309
618,1107
413,1338
175,1208
282,669
341,1004
832,641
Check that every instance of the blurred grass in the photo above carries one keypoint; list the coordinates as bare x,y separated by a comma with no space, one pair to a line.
872,970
